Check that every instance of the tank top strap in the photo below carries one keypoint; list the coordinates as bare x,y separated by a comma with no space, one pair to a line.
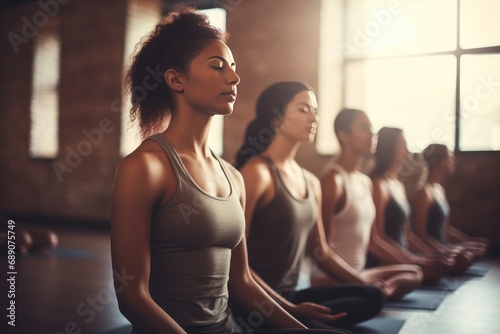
345,177
176,162
226,172
347,188
274,171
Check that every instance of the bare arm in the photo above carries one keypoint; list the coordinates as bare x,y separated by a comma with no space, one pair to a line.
245,290
416,244
328,260
136,190
423,202
259,191
382,246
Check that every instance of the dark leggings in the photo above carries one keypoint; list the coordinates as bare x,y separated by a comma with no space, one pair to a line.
359,301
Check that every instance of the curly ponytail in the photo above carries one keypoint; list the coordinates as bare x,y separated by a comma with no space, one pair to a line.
174,42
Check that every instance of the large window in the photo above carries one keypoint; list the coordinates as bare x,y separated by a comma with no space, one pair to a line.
140,21
44,131
429,67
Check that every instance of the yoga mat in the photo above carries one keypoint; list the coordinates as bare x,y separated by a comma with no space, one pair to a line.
72,253
379,325
419,300
128,328
446,284
119,330
478,269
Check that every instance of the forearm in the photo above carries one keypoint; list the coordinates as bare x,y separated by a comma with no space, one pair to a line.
253,298
432,242
389,252
417,245
146,315
336,267
455,235
283,302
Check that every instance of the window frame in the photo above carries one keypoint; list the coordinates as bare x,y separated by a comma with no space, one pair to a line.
458,53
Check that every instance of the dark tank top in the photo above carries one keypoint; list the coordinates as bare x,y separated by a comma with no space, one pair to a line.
191,241
279,233
438,214
397,212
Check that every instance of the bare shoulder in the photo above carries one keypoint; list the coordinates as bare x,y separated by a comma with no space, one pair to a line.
145,172
332,178
423,194
379,184
145,161
257,169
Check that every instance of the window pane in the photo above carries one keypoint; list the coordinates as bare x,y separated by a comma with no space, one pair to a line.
141,18
217,18
479,23
378,28
45,98
329,74
415,94
480,102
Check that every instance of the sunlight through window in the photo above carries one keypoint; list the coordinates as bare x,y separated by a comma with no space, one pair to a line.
44,141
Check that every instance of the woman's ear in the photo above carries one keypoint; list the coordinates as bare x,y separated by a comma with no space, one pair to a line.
174,80
278,124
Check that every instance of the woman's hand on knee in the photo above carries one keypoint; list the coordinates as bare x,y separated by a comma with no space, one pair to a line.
386,288
316,312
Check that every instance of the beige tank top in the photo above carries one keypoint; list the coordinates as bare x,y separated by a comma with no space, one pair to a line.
351,227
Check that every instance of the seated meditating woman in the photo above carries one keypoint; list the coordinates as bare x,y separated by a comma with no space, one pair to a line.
432,212
349,213
177,209
283,219
393,239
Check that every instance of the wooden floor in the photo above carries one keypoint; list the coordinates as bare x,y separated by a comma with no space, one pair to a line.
70,290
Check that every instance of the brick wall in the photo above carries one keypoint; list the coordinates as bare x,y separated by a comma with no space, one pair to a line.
92,37
271,41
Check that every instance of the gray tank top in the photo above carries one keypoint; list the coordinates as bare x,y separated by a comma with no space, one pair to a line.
191,241
279,234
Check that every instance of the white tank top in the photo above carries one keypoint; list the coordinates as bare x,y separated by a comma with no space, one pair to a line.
351,227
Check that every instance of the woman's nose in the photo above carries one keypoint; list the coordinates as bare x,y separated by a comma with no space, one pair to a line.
234,79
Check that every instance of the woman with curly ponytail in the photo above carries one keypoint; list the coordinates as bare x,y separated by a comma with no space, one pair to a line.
177,231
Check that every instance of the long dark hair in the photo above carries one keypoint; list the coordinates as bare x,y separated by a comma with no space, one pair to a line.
387,143
270,107
174,42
